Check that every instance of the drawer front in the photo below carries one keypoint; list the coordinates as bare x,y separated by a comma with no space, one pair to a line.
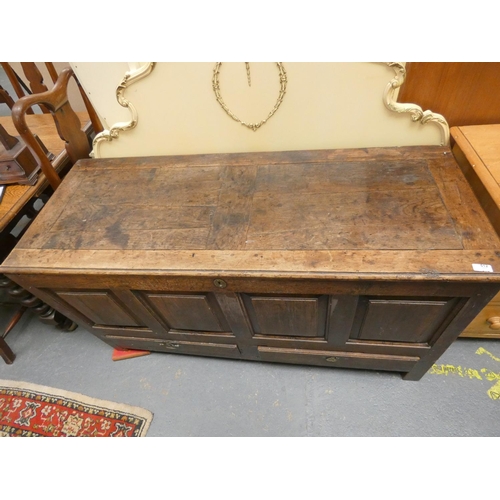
486,324
174,346
338,359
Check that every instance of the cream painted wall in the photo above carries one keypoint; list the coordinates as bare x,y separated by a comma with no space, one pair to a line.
327,105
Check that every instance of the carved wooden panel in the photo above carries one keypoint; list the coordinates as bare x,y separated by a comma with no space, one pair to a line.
287,316
100,307
401,320
189,312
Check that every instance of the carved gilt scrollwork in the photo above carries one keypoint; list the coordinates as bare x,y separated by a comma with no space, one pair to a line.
416,112
252,126
129,78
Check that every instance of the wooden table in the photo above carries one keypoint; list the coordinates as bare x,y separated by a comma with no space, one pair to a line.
477,150
363,258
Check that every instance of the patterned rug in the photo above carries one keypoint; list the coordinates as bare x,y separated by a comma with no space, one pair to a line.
35,410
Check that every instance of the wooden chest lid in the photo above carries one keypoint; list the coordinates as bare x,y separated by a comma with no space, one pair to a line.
382,213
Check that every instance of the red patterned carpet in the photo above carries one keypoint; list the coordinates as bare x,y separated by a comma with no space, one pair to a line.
34,410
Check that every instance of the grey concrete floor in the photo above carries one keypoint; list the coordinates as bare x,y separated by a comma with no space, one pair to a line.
198,396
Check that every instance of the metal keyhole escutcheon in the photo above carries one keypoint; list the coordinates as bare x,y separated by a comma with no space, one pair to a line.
220,283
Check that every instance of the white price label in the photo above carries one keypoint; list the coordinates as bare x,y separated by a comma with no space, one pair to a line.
482,268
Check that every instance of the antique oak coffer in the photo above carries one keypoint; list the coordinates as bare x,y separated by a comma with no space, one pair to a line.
362,258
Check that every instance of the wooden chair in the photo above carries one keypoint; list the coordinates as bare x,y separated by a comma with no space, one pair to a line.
37,85
34,77
77,145
5,98
67,123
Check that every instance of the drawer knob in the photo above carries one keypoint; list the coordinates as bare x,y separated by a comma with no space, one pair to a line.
494,322
220,283
332,359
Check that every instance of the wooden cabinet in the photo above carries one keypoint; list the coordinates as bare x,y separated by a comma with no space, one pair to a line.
477,151
463,92
487,323
349,258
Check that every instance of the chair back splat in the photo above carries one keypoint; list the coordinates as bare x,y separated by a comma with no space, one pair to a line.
67,123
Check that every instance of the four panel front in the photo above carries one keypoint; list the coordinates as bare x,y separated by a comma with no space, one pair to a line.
349,322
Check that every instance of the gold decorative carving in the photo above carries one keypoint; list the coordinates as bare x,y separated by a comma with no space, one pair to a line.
129,78
416,112
281,95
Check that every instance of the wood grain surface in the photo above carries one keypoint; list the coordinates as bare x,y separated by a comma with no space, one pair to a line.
381,211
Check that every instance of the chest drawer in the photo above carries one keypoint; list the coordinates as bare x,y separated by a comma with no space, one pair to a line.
486,324
174,346
338,359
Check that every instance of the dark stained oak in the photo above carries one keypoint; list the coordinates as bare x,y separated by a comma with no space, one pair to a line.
287,316
100,307
351,258
188,312
403,320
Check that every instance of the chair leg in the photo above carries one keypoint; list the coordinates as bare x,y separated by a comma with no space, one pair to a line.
15,320
46,314
6,352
